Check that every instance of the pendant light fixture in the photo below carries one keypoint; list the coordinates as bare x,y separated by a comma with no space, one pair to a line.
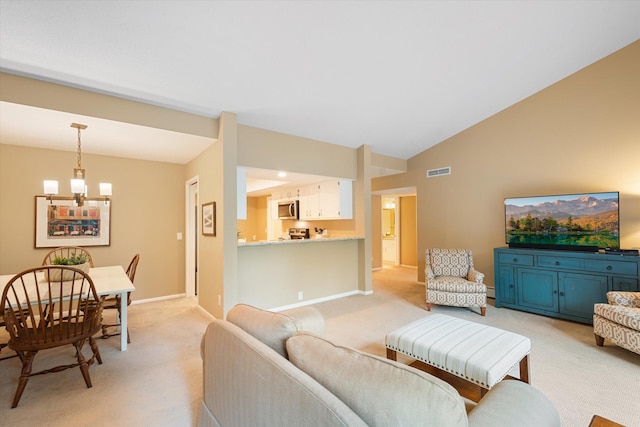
78,185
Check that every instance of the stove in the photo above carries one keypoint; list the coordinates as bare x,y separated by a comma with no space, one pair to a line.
298,233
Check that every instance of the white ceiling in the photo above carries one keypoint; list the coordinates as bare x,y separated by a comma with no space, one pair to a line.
399,76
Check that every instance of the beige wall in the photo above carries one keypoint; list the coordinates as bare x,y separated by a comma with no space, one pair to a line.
579,135
254,228
148,200
277,272
265,149
408,236
147,211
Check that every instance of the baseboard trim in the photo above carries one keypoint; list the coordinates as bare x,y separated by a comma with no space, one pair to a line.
318,300
205,312
166,297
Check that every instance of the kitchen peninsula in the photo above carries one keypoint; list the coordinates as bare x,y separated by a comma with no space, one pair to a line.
279,274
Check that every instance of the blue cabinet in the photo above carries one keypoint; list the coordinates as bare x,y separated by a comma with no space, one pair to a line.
559,283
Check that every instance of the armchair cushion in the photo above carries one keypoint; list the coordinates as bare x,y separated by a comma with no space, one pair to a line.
457,285
619,314
627,299
450,262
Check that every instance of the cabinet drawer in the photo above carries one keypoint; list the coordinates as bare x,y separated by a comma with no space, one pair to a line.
612,267
626,284
517,259
560,262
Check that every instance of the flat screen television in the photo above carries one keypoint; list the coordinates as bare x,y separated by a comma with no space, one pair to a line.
580,222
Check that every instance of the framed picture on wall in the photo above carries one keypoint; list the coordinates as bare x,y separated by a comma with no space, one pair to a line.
209,219
61,223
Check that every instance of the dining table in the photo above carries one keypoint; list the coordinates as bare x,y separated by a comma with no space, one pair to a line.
109,280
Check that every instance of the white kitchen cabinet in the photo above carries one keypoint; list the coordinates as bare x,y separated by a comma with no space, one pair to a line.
332,199
309,201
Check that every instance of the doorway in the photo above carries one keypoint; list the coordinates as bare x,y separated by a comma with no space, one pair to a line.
395,235
390,235
191,239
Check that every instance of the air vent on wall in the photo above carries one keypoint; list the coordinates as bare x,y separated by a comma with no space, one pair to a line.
431,173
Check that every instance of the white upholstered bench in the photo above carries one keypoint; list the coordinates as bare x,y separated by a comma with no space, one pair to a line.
477,353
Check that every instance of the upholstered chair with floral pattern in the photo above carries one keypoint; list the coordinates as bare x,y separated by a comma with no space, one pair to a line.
619,320
452,280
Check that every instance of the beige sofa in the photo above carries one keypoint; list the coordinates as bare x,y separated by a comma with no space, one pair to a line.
275,369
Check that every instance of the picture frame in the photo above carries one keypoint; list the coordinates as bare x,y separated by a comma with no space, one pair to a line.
62,223
209,219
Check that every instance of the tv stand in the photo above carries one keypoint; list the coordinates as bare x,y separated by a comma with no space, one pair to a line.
560,283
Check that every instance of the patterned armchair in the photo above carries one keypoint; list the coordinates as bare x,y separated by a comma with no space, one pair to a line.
452,280
619,320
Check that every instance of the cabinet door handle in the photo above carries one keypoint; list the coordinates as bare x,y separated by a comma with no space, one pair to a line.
515,260
555,292
556,263
561,294
609,267
511,285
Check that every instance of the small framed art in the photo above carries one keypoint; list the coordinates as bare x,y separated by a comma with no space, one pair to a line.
209,219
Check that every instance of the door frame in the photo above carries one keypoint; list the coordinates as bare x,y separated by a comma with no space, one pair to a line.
192,260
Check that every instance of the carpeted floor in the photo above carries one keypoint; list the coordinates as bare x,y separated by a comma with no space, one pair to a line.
158,380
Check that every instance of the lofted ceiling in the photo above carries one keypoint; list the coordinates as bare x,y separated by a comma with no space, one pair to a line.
398,76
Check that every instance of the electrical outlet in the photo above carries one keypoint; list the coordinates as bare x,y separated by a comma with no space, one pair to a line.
300,296
219,299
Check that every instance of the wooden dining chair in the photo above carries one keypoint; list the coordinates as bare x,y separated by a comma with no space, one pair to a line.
113,302
42,313
66,252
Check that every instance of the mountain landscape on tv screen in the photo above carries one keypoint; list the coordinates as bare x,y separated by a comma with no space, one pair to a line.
585,220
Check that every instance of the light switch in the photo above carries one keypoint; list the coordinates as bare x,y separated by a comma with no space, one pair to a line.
179,236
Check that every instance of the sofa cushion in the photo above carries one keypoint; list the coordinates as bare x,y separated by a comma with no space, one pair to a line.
246,383
382,392
274,329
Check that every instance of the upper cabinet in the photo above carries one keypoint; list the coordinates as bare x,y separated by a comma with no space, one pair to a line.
332,199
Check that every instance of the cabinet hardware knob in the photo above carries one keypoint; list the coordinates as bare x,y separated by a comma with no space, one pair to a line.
511,285
555,292
515,260
561,294
556,263
609,267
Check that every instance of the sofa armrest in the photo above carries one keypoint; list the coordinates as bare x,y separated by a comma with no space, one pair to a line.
307,319
429,274
514,403
475,276
626,299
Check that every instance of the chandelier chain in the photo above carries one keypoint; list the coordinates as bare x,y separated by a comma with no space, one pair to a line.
79,151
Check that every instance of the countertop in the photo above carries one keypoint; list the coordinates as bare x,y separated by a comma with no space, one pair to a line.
296,242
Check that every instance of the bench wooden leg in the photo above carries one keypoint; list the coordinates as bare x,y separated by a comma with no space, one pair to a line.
483,310
391,354
524,369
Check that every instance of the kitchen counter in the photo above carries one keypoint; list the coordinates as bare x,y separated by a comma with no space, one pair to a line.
295,242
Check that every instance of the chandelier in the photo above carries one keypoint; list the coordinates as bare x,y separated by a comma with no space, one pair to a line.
78,186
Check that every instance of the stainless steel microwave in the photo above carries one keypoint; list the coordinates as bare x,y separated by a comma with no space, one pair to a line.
288,209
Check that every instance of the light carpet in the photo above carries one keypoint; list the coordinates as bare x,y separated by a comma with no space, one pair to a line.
158,380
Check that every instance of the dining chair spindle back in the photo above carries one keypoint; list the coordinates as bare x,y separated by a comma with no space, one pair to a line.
41,313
